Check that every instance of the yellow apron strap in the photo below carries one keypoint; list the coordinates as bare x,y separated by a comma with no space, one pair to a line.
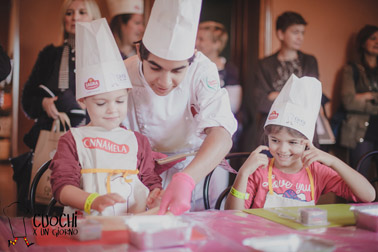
311,183
111,172
270,172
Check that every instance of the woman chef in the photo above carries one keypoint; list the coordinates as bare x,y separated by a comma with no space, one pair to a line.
176,101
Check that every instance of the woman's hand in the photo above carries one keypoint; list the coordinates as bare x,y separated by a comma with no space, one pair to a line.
49,106
106,200
154,198
367,96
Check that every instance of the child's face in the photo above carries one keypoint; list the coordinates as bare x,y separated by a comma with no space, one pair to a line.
286,149
107,110
293,37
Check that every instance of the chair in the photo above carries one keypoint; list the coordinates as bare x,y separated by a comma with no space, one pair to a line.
33,190
362,160
206,200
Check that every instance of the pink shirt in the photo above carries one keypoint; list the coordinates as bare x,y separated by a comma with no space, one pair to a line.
66,169
296,186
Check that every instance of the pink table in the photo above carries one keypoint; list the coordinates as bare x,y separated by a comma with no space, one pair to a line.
221,231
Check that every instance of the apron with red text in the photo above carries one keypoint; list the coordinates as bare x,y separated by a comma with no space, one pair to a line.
273,200
109,165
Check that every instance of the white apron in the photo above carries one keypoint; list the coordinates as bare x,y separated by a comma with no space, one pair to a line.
169,124
273,200
109,165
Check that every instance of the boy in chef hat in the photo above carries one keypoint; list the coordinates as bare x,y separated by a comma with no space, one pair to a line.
298,173
103,168
177,102
126,23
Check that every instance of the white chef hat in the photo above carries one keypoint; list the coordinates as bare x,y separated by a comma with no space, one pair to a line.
99,65
117,7
297,105
172,28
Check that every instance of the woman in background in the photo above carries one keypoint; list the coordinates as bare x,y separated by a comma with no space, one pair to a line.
51,86
359,132
127,24
211,40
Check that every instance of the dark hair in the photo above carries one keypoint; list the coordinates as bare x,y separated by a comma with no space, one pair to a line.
364,35
117,21
287,19
144,52
272,129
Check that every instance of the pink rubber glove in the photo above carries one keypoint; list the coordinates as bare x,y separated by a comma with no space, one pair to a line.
178,194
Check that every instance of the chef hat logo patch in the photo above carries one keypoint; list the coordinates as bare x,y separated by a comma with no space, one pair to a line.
91,84
273,115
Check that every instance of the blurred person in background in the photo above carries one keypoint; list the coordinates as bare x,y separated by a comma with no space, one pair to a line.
359,92
51,85
211,40
273,71
127,24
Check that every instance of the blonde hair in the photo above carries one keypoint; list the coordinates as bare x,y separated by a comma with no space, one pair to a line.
90,5
218,32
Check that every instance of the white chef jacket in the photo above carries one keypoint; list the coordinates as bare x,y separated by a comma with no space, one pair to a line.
168,121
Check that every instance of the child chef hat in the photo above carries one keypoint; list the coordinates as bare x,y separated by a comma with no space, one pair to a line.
99,65
297,105
172,28
118,7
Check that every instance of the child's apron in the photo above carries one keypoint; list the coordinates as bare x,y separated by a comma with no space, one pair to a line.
109,165
273,200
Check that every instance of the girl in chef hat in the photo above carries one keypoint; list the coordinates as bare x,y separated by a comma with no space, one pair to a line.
298,173
103,168
127,24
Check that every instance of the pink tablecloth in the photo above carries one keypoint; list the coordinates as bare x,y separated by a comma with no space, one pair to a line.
221,231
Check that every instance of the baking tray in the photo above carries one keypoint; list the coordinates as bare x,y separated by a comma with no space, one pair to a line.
158,231
289,243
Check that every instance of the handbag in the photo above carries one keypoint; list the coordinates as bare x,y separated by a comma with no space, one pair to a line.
44,151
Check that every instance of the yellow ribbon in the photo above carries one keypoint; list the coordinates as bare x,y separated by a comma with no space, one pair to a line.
112,172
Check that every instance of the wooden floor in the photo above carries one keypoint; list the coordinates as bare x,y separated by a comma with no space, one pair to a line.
8,190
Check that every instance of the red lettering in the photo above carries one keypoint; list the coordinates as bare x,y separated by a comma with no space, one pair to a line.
105,144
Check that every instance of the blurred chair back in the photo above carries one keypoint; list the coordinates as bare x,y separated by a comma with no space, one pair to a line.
236,156
33,188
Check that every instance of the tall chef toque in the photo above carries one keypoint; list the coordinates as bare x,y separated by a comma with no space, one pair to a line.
118,7
172,28
99,65
297,105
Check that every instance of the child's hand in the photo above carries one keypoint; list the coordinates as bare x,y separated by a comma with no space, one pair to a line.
255,160
312,154
154,198
106,200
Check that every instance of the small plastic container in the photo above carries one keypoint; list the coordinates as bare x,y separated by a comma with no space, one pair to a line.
88,230
313,216
366,217
158,231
